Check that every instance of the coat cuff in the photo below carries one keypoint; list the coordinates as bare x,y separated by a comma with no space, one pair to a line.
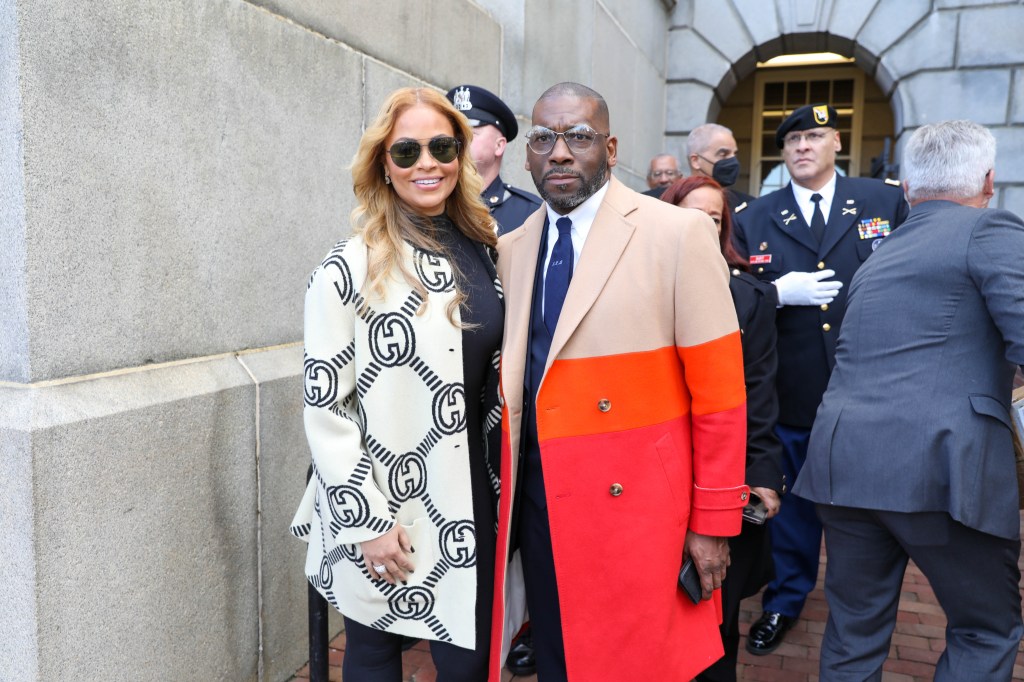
717,511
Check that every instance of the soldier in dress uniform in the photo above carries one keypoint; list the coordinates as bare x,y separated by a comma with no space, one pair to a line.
494,126
808,238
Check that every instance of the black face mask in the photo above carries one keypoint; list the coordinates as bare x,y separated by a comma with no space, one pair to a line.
725,171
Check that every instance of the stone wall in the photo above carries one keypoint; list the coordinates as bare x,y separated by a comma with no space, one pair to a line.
170,172
934,60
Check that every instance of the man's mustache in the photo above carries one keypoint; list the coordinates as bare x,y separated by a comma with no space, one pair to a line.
562,171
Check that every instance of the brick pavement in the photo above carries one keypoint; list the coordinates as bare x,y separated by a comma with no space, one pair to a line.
917,643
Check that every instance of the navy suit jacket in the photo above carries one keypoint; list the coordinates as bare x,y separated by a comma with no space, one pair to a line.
772,231
916,414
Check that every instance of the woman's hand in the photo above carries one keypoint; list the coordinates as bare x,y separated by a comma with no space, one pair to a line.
771,500
711,557
389,551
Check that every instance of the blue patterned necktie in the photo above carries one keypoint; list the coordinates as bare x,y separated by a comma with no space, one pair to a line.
559,272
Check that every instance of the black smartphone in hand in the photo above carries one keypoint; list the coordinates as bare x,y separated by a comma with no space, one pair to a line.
689,580
755,511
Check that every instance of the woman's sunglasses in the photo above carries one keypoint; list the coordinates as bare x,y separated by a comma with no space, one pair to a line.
405,153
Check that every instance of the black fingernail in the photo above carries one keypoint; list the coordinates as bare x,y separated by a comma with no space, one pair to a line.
404,583
411,548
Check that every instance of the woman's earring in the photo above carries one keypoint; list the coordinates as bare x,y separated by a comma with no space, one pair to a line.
387,178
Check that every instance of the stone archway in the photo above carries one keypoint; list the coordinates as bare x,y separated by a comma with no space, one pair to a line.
935,61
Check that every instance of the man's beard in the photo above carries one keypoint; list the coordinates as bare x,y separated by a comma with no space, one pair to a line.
586,190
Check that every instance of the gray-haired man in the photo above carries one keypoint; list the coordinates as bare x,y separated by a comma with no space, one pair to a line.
910,455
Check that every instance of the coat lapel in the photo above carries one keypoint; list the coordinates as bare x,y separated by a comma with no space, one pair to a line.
605,243
788,218
518,285
845,210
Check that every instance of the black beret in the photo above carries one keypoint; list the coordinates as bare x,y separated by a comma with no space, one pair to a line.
806,118
486,107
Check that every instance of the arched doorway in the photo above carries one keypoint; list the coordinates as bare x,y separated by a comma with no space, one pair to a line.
759,102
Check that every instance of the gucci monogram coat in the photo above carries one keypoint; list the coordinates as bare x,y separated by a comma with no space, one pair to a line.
386,422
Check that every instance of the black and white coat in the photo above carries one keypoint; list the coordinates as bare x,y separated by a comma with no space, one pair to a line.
385,419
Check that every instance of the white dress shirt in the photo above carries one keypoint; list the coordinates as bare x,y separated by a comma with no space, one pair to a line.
803,199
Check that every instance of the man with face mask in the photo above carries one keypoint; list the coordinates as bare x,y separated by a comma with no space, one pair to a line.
711,150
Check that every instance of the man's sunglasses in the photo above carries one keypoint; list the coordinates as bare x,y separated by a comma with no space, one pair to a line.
405,153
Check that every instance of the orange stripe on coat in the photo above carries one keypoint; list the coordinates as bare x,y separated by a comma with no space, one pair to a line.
714,373
641,389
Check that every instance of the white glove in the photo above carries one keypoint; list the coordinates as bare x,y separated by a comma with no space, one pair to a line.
807,288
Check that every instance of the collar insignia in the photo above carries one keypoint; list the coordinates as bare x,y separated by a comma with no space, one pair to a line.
790,219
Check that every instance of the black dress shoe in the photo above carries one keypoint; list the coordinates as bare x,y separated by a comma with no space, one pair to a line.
767,633
521,661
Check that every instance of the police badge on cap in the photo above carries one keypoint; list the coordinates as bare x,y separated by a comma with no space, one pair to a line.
806,118
483,107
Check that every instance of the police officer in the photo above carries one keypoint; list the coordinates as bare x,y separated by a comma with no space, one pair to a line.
494,126
808,238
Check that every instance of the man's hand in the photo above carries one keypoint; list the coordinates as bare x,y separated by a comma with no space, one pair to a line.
807,288
388,552
771,500
710,556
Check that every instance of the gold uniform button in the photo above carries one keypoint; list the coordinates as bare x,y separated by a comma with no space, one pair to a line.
824,306
743,496
821,265
760,270
616,489
604,404
826,326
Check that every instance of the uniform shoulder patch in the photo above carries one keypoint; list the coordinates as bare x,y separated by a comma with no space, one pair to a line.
890,181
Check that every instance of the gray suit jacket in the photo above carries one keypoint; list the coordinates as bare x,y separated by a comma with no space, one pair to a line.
915,417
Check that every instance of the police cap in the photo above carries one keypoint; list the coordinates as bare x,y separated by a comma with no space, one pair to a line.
806,118
484,107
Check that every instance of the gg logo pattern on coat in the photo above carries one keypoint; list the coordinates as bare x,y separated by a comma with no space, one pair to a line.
352,381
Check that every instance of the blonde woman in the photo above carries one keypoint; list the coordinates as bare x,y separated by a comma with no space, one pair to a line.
403,324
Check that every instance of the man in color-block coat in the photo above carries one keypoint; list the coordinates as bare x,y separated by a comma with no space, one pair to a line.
624,416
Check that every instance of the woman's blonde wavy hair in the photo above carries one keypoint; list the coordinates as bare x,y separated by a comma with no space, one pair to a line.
385,221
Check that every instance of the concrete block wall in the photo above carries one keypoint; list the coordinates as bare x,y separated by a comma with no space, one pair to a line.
934,60
169,175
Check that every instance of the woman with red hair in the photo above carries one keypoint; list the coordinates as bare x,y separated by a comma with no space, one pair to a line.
755,301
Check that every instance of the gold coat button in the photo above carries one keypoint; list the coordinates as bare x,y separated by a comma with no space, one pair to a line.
616,489
604,404
743,496
824,306
826,327
821,265
760,270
